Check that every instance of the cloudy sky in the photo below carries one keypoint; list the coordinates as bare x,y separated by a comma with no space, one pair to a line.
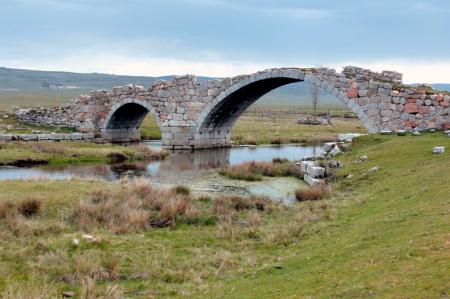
226,37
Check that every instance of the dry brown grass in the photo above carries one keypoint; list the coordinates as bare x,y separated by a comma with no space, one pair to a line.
135,207
143,152
54,148
312,193
30,290
253,171
74,268
27,208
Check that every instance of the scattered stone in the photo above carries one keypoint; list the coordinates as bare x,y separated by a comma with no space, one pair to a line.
438,150
334,164
335,151
363,158
328,146
75,242
401,132
313,158
311,181
386,132
373,169
316,171
416,133
348,136
349,176
432,130
68,294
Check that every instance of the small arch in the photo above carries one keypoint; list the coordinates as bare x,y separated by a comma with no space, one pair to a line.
123,122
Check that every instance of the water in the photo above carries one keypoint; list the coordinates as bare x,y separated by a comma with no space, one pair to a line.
197,170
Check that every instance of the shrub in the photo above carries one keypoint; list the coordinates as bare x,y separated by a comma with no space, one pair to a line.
182,190
312,193
279,160
29,207
116,157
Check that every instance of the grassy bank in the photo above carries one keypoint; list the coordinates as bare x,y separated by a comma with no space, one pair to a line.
381,234
23,153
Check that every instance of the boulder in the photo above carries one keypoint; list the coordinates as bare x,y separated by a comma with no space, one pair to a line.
316,171
438,150
312,181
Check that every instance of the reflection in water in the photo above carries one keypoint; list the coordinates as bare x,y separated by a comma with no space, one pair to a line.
193,169
175,164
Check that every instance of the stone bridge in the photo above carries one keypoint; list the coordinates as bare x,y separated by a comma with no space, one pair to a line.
196,114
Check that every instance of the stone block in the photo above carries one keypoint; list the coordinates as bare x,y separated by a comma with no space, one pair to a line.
438,150
5,137
316,171
312,181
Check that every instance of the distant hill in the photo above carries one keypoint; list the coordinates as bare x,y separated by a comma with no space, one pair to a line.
30,87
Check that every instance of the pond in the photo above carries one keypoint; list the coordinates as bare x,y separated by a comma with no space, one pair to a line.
196,170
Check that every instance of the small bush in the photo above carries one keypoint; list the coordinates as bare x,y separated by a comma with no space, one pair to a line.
116,157
182,190
312,193
279,160
29,207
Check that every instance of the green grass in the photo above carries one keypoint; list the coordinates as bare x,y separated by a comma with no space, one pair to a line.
382,235
11,125
390,241
150,129
68,152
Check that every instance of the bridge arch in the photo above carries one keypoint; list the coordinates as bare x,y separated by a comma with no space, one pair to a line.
123,121
218,117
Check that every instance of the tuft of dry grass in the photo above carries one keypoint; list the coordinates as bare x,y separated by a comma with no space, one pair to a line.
181,190
143,152
30,290
253,171
29,207
312,193
137,206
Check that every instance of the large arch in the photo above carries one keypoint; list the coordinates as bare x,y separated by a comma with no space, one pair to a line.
123,121
218,117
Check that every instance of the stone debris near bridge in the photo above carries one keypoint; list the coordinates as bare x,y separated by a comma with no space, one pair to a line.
438,150
48,137
200,114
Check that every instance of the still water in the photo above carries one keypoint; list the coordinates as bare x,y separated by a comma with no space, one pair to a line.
197,170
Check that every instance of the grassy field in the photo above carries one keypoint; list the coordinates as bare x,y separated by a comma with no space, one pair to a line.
383,234
248,130
26,99
29,153
251,130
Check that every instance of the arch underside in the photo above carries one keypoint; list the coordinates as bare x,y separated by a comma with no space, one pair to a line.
124,123
224,115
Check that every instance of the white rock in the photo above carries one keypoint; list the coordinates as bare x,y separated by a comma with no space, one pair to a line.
416,133
88,237
373,169
316,171
438,150
75,242
329,146
348,136
312,181
363,158
335,151
304,165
